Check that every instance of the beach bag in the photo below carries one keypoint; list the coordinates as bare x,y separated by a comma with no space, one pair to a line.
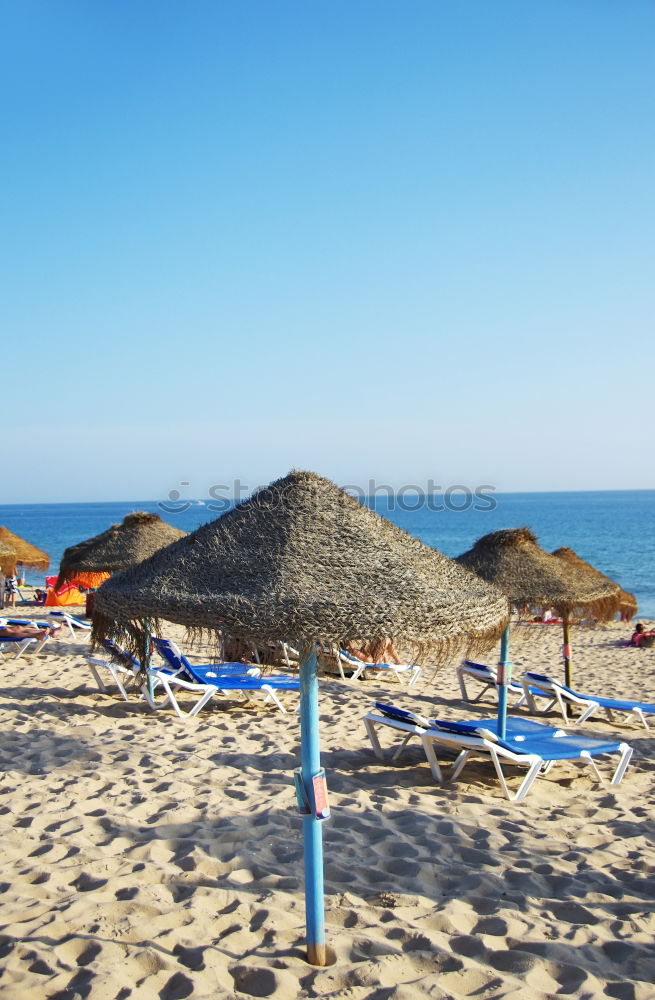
647,642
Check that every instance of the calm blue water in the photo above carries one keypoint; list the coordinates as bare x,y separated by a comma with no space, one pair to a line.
613,530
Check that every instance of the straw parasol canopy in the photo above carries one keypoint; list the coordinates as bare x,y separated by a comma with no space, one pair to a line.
7,559
301,560
26,553
513,560
627,601
122,545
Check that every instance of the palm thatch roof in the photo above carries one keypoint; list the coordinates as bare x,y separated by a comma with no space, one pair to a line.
26,553
122,545
513,560
627,601
302,560
8,559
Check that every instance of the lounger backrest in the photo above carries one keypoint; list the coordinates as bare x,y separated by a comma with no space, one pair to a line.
173,656
119,653
479,666
402,715
547,679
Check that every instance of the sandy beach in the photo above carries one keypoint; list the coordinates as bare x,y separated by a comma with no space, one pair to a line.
145,856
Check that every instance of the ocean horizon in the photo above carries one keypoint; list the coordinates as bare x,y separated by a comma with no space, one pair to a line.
612,529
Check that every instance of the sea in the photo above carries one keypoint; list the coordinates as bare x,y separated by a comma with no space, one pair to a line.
613,530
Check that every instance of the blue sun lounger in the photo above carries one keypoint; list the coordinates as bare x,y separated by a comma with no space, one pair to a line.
75,625
20,644
209,679
541,685
121,665
181,665
410,671
486,676
527,743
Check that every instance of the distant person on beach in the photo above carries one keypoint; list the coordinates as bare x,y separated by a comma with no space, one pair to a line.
2,590
639,635
11,589
378,651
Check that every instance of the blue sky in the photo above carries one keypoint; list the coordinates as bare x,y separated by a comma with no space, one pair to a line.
399,241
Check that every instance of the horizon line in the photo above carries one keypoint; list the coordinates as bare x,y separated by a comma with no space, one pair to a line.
367,496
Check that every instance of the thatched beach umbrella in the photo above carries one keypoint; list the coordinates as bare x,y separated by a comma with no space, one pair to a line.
8,560
26,553
514,561
121,545
302,561
627,601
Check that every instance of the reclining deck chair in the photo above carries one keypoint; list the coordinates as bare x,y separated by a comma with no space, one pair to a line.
179,663
77,628
486,675
408,671
116,665
18,644
541,685
527,743
206,680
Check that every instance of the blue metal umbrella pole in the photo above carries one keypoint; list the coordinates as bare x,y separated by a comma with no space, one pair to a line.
147,658
313,784
504,677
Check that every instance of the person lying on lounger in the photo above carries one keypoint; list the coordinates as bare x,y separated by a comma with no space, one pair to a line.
378,651
27,631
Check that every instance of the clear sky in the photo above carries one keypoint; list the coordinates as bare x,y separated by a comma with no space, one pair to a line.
401,240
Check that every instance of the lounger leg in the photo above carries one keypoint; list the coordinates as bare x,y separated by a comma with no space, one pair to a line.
588,712
527,782
529,697
458,766
590,760
373,737
638,712
428,746
416,673
96,676
501,776
22,646
121,689
207,696
270,693
624,760
402,746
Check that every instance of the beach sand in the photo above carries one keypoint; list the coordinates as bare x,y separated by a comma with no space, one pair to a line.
149,857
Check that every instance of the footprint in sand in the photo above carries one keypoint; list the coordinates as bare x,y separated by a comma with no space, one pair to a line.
87,883
128,893
192,958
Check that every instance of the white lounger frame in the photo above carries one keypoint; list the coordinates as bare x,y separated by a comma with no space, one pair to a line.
487,677
22,644
564,699
403,671
465,746
205,692
117,671
75,626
